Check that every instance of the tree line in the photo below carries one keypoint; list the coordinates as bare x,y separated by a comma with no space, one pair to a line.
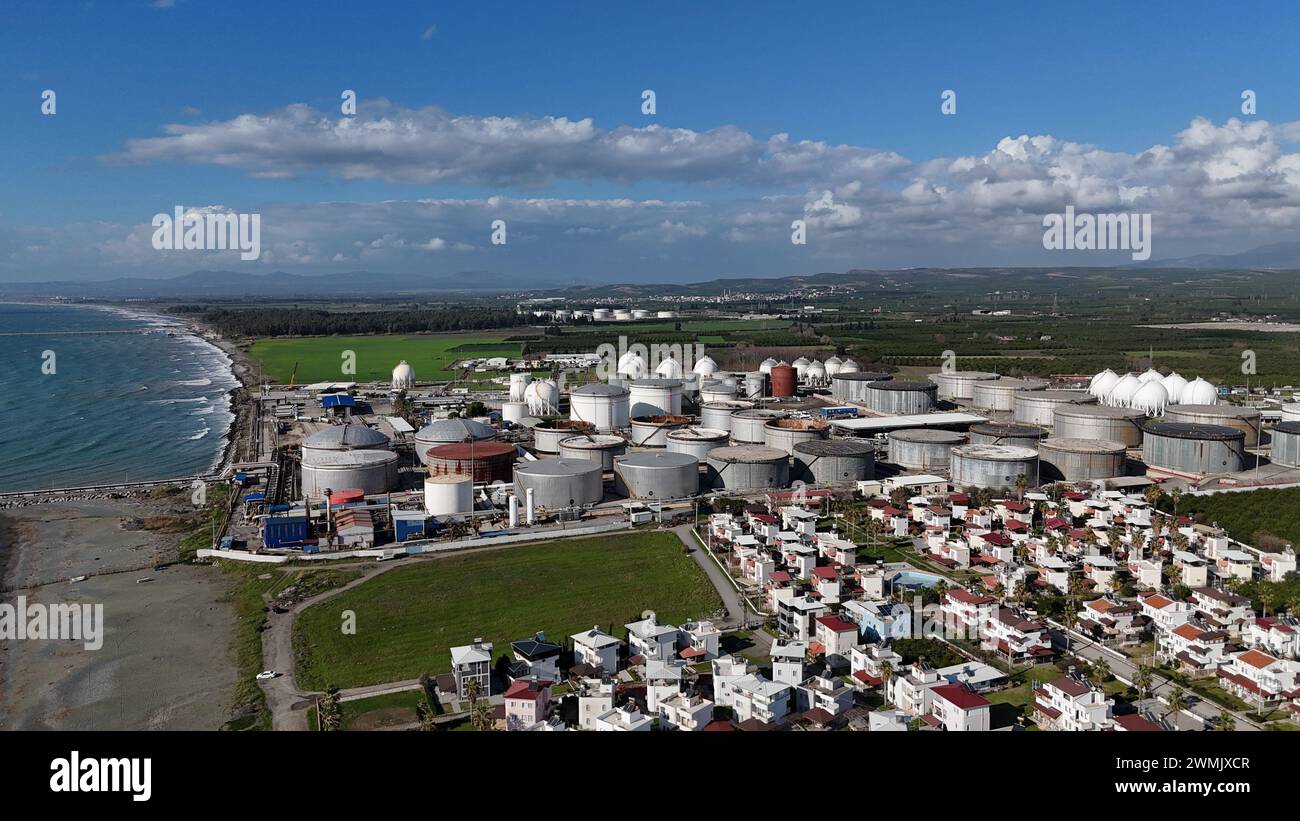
312,322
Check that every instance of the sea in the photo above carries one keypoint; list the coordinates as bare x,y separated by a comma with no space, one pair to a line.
94,395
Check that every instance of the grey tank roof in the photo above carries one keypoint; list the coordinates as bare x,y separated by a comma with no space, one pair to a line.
657,459
601,389
1287,427
655,382
748,454
862,376
1193,430
900,385
1071,445
945,437
834,447
346,437
453,430
559,466
1007,430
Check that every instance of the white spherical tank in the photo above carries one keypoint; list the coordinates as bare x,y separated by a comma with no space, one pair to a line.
542,397
765,367
705,366
1151,399
800,366
849,366
815,374
833,365
605,406
1150,375
669,369
1174,384
1098,377
631,366
451,494
403,376
518,384
1103,383
1199,392
1121,396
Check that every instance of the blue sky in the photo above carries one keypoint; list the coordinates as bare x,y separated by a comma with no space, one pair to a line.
1121,77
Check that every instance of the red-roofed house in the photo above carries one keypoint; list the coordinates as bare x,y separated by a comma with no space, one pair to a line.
527,702
1261,679
1015,637
1193,648
1111,622
958,709
1272,635
965,610
1135,723
836,635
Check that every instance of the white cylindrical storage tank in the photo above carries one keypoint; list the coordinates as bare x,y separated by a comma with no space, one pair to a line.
959,385
530,507
717,391
1291,412
665,314
1037,407
994,466
447,432
1286,444
371,471
784,434
1077,460
518,384
622,314
1247,420
854,386
513,411
755,385
600,314
923,449
697,441
558,484
1098,422
514,510
451,494
599,448
662,475
342,438
833,461
999,394
547,435
605,406
1192,450
655,397
1003,433
652,431
747,468
749,426
717,415
901,397
640,313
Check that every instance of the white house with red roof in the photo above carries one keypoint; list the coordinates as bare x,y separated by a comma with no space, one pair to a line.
527,703
966,611
1015,637
993,543
957,709
1071,704
1261,679
1165,613
756,565
1111,622
1193,648
867,663
836,636
764,526
1012,511
1272,635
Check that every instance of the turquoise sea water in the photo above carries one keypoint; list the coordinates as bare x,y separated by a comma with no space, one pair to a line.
151,403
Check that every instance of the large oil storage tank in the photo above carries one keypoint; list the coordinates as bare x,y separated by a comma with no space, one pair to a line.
1291,412
1189,449
604,405
754,385
448,431
697,441
1075,460
1246,420
784,380
717,415
747,467
655,397
1098,422
652,431
559,483
959,385
1005,433
999,394
547,435
484,461
338,438
784,434
750,426
372,471
717,390
1037,407
598,448
923,449
852,387
994,466
657,475
513,412
1286,444
899,397
451,494
830,461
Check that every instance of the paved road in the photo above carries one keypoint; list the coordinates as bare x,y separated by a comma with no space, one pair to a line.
739,613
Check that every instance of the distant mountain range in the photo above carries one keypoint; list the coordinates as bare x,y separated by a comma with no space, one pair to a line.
1279,256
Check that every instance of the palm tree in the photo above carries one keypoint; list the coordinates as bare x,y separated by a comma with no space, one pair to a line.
480,711
1175,495
1022,482
1224,721
1153,494
1177,702
1101,669
425,715
1143,679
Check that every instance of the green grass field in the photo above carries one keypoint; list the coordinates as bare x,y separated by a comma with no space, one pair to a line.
320,358
408,619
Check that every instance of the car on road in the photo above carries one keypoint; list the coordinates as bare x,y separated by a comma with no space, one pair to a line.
267,674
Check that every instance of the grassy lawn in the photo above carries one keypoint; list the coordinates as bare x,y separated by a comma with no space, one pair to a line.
320,358
408,619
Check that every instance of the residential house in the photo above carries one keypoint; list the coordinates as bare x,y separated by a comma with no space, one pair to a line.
698,640
685,712
527,703
1015,637
824,692
754,697
727,670
650,639
1111,622
1276,636
964,611
625,719
663,681
596,648
797,616
1261,679
788,661
595,698
836,637
1193,648
535,658
957,709
472,663
1165,613
1072,704
1222,609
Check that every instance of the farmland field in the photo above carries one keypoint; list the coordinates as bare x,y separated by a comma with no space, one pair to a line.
320,358
408,619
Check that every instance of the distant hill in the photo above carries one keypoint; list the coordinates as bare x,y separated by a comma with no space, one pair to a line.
1278,256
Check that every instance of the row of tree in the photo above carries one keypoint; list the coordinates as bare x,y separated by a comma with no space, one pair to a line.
243,322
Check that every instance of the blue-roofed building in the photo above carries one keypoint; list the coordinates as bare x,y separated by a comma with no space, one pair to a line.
286,529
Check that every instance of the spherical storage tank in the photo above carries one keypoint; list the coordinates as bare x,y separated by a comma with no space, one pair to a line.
784,434
959,385
998,433
705,366
1286,444
603,405
547,435
922,448
1121,393
542,397
450,494
852,386
833,366
1151,398
518,384
1037,407
484,461
403,376
697,441
717,415
999,394
1098,422
655,397
652,431
1102,384
900,397
372,471
559,483
669,368
342,438
661,475
815,373
1075,460
1191,449
748,467
449,431
600,448
1246,420
749,426
830,461
1174,384
784,380
765,367
994,466
800,366
631,366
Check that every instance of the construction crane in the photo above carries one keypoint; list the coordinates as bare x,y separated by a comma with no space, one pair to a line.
293,376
